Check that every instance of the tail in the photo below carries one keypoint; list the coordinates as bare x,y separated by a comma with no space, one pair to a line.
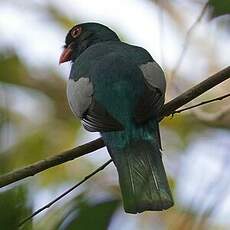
142,177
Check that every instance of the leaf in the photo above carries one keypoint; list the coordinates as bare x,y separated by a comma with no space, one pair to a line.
219,7
13,208
90,216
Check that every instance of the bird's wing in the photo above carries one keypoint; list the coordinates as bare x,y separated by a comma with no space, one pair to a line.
152,99
94,117
97,119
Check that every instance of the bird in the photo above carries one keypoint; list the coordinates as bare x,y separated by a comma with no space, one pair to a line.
118,90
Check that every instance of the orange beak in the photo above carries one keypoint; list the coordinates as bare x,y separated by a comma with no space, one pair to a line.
66,55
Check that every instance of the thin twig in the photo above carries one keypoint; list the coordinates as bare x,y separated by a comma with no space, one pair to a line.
71,154
202,103
187,40
194,92
65,193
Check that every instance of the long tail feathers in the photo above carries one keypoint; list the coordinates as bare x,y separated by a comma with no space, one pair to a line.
142,177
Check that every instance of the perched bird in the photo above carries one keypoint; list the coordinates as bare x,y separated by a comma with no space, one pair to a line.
118,89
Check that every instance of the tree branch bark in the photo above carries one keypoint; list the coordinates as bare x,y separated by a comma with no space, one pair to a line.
50,162
168,109
195,91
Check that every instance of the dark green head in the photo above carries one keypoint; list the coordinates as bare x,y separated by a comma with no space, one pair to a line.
81,36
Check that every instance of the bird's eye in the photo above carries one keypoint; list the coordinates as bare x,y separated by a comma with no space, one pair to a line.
76,32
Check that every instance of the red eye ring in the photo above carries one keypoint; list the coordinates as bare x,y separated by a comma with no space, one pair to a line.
76,32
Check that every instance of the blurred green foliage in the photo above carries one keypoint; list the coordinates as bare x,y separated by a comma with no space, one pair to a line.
14,207
89,216
219,7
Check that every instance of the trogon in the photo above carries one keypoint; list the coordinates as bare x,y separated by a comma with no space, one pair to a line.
118,89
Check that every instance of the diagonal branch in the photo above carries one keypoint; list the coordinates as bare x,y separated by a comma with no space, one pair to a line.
202,103
195,91
168,108
50,162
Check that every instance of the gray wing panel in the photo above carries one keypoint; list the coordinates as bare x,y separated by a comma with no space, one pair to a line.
79,94
94,117
154,75
152,99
